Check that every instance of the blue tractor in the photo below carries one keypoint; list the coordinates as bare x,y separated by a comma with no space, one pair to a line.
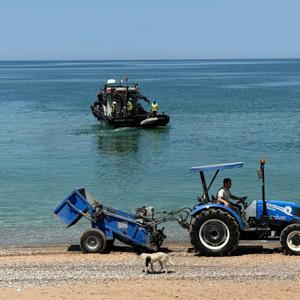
216,229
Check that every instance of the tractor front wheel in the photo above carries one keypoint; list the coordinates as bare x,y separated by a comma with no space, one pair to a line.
290,239
214,232
93,241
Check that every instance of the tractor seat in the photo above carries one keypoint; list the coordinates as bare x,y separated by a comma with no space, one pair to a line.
213,199
202,199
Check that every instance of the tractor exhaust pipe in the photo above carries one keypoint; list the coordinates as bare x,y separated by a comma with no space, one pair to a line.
262,174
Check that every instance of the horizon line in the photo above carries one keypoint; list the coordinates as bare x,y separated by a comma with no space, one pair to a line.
150,59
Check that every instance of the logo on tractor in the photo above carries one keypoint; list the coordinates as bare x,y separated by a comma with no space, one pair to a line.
286,210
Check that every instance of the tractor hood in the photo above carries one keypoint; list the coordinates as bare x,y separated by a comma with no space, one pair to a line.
280,210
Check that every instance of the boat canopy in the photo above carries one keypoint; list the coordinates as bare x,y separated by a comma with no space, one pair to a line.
111,81
217,167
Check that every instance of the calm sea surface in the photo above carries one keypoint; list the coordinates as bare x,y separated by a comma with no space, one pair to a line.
221,111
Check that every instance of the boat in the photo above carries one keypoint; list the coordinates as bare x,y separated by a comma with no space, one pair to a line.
119,104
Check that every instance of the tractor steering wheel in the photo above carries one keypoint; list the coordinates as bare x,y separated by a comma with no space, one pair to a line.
243,201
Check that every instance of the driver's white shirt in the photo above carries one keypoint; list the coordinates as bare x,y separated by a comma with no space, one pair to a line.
224,194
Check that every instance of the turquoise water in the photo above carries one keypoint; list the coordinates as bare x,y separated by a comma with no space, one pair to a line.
221,111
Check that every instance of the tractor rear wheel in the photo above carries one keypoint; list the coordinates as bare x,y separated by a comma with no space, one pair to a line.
290,239
214,232
93,241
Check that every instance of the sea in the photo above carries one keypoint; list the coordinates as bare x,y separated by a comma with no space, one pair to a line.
221,111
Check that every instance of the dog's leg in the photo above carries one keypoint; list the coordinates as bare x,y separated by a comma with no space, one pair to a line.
161,266
151,264
171,263
147,263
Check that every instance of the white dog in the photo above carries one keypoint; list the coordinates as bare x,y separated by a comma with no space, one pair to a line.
160,257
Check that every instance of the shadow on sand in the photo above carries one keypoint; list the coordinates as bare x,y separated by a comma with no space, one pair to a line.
158,272
241,250
255,249
121,248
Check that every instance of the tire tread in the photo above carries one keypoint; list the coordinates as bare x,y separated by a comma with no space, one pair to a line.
283,238
97,232
223,216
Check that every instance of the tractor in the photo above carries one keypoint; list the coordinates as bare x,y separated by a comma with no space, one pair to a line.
216,229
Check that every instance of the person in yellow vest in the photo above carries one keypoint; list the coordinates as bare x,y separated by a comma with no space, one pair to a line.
129,107
154,108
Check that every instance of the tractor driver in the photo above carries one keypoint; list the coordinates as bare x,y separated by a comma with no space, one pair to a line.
224,196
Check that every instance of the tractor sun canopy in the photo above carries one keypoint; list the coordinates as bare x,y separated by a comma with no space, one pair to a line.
217,168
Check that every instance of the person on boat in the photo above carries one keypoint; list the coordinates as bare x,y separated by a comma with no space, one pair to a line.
129,107
114,109
154,108
224,196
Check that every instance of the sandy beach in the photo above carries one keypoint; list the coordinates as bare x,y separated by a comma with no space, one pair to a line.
63,272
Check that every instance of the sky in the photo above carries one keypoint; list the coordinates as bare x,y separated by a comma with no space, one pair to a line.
144,29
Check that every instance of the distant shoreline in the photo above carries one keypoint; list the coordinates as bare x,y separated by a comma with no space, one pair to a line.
148,59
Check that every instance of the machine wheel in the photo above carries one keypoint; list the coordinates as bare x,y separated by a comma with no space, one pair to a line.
214,232
93,241
290,239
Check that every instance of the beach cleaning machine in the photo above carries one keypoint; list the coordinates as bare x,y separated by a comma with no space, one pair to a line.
139,229
215,229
